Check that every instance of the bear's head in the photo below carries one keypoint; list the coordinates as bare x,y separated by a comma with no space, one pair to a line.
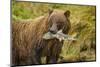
58,22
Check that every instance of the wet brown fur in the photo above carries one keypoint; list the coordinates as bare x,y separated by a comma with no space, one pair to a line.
27,35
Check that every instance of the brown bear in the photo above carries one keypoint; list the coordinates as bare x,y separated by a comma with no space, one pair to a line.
28,45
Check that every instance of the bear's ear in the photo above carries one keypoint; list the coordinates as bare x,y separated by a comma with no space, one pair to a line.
67,13
50,11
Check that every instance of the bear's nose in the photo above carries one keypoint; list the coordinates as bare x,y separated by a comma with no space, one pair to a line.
53,31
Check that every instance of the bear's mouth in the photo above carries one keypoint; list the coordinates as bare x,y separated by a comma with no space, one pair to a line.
59,35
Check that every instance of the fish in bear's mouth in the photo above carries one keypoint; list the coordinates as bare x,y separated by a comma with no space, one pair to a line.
59,35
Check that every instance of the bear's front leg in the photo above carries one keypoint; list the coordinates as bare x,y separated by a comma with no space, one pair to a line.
37,56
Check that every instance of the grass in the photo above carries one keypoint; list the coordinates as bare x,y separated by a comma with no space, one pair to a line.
83,21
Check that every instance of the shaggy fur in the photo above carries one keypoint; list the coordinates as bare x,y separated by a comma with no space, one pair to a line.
28,46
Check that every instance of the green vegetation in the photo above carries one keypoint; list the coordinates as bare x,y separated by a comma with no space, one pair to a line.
83,21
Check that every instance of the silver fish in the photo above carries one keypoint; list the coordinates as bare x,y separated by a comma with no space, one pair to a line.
59,35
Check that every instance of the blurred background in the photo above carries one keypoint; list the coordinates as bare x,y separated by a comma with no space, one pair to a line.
83,27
